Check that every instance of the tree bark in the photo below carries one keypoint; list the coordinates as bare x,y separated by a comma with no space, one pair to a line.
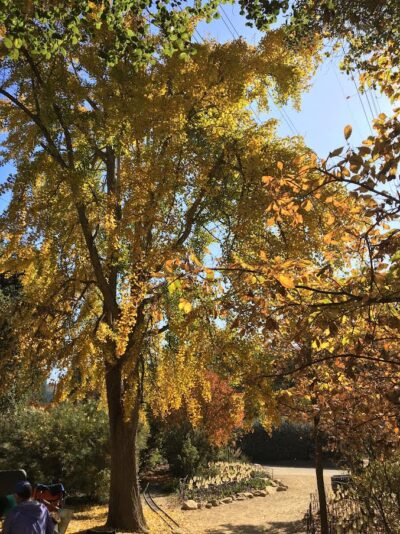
125,507
319,471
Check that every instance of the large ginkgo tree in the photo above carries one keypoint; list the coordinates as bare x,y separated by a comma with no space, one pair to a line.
133,153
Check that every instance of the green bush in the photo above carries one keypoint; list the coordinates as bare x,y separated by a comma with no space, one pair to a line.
186,450
153,459
66,442
230,454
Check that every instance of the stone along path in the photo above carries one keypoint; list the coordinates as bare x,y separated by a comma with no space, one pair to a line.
279,513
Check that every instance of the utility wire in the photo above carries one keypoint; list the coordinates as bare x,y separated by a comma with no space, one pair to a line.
229,21
199,36
362,103
283,113
292,128
376,102
346,99
359,96
255,112
369,103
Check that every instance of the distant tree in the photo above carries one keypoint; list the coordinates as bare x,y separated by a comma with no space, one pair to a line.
217,409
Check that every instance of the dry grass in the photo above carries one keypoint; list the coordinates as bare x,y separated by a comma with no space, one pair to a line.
88,517
95,517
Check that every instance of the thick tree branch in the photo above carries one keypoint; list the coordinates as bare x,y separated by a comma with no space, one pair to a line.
51,147
104,286
67,135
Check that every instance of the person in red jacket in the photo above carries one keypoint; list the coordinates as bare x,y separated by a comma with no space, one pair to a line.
29,516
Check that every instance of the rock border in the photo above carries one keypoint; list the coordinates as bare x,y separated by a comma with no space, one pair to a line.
272,487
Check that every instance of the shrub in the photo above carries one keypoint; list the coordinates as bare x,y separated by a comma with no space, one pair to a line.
376,492
154,459
66,442
186,450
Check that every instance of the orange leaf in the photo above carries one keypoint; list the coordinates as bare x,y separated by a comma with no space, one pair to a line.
267,179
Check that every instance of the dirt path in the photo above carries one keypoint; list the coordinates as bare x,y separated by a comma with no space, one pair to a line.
280,513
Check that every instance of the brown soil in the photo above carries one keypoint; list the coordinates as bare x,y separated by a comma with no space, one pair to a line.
280,513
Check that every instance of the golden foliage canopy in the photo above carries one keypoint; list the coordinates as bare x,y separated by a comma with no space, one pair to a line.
128,185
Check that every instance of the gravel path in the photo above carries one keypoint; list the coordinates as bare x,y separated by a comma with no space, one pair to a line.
280,513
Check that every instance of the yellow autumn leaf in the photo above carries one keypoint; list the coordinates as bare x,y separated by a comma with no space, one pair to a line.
308,206
185,305
195,260
347,131
330,219
173,286
286,281
280,165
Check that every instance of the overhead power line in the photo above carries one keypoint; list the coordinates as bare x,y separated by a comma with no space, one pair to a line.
362,103
255,112
235,34
224,13
375,100
359,96
354,120
366,93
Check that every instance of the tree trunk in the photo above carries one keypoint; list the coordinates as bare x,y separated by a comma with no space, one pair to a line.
125,507
319,471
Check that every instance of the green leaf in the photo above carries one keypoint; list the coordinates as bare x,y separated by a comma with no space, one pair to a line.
8,42
14,53
174,286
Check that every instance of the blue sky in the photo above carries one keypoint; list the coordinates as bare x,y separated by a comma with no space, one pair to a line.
331,103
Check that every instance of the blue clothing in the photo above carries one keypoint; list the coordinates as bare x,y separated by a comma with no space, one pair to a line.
28,517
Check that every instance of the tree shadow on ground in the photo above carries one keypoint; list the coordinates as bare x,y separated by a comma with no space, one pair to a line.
278,527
